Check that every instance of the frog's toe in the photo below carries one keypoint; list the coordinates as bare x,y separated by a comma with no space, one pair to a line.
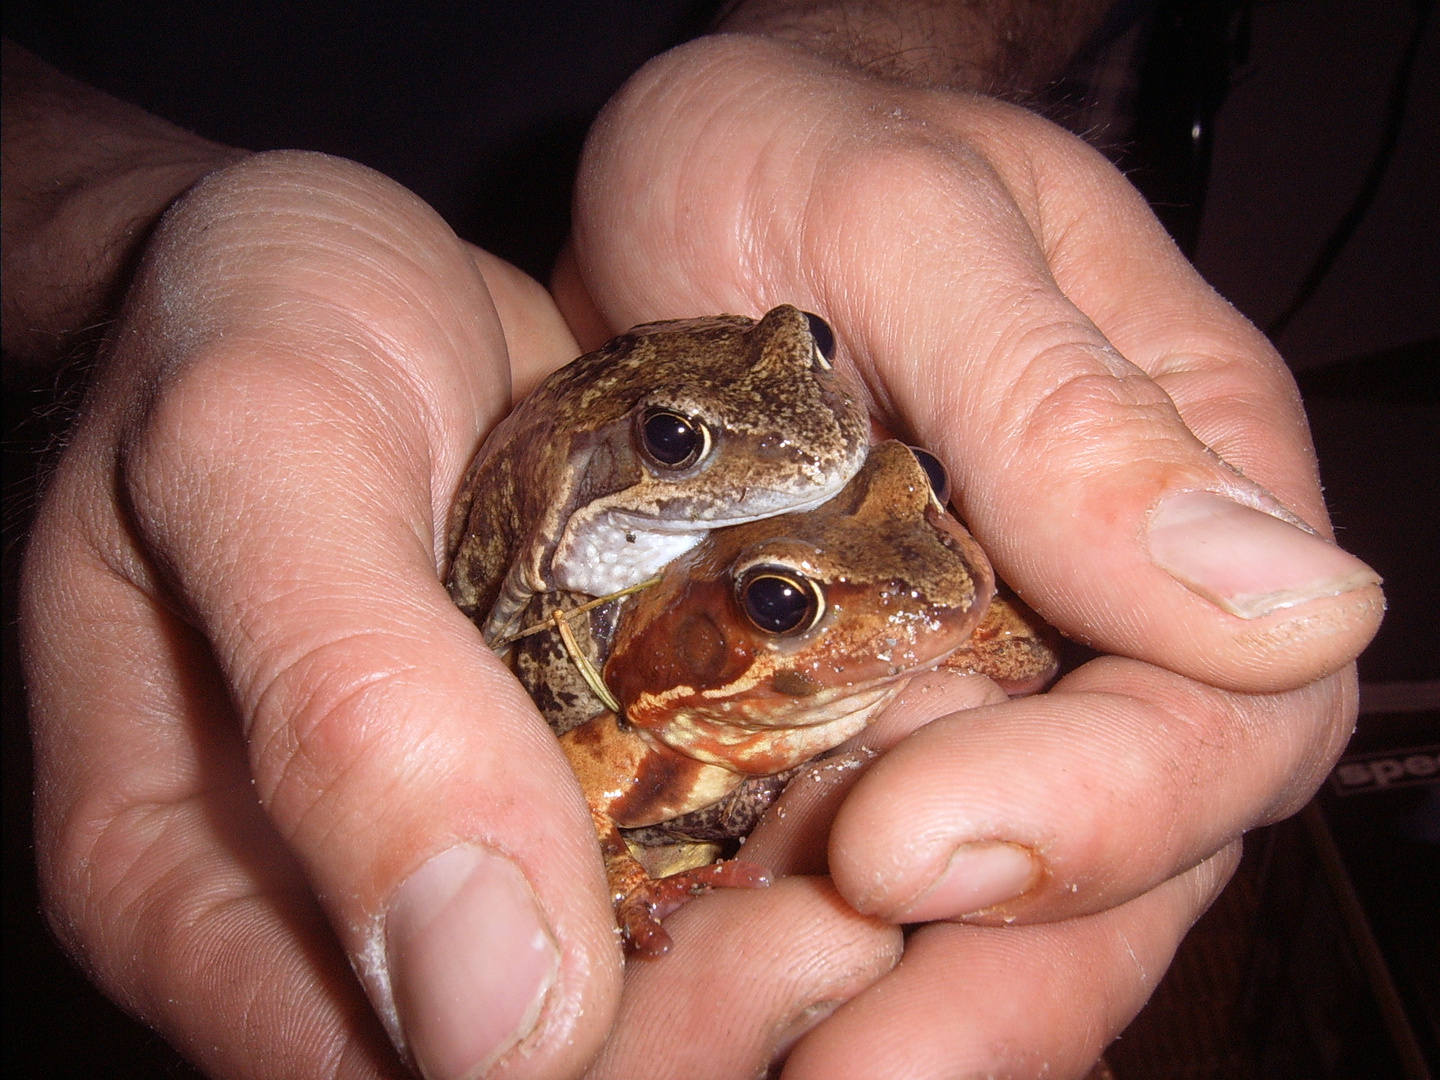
728,874
640,931
640,912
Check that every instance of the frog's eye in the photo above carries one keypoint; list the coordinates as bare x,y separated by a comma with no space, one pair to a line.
779,601
824,340
673,441
939,479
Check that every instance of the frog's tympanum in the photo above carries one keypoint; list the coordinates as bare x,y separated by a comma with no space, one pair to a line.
623,459
765,645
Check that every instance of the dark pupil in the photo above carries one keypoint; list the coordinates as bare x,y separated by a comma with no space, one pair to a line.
777,604
823,335
939,481
670,438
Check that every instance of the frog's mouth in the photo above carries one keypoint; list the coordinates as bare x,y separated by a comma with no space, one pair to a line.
605,548
783,741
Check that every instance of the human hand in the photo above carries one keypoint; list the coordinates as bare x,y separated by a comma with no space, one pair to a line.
268,747
1131,453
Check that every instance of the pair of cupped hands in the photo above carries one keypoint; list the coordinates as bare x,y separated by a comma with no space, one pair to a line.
270,750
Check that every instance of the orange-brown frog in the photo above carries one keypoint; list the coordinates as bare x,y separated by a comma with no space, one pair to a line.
623,459
762,647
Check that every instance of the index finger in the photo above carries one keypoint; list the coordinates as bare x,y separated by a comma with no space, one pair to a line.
1131,451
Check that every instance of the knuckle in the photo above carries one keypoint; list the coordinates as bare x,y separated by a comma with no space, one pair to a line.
323,720
1077,390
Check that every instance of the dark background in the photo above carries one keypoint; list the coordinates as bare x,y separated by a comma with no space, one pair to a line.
483,111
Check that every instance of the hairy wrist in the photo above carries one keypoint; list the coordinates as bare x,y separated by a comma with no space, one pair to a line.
85,179
1005,48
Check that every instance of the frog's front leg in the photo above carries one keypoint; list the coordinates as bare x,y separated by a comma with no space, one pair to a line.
631,780
1013,646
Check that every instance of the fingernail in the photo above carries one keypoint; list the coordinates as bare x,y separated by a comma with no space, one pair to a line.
978,876
471,961
1245,560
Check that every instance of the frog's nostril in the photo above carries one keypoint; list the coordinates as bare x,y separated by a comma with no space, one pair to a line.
824,338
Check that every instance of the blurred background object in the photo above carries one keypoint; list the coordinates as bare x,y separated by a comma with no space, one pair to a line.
1293,150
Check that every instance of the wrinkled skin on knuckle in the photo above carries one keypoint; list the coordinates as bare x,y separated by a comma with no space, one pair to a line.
118,902
856,144
1049,175
1062,419
321,723
169,948
93,835
242,460
1238,397
1073,387
1239,402
299,255
1231,386
168,444
283,199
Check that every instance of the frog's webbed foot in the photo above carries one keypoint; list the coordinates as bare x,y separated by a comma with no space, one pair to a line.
642,901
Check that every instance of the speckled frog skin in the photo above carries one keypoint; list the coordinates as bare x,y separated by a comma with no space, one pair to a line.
622,460
765,645
886,583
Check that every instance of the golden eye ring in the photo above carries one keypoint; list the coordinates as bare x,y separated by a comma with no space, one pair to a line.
672,440
779,601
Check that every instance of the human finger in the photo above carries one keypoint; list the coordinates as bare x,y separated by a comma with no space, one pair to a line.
751,971
1074,801
1023,1001
159,870
1200,395
771,175
294,393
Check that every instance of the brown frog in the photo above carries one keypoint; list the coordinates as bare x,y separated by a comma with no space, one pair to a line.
623,459
764,646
